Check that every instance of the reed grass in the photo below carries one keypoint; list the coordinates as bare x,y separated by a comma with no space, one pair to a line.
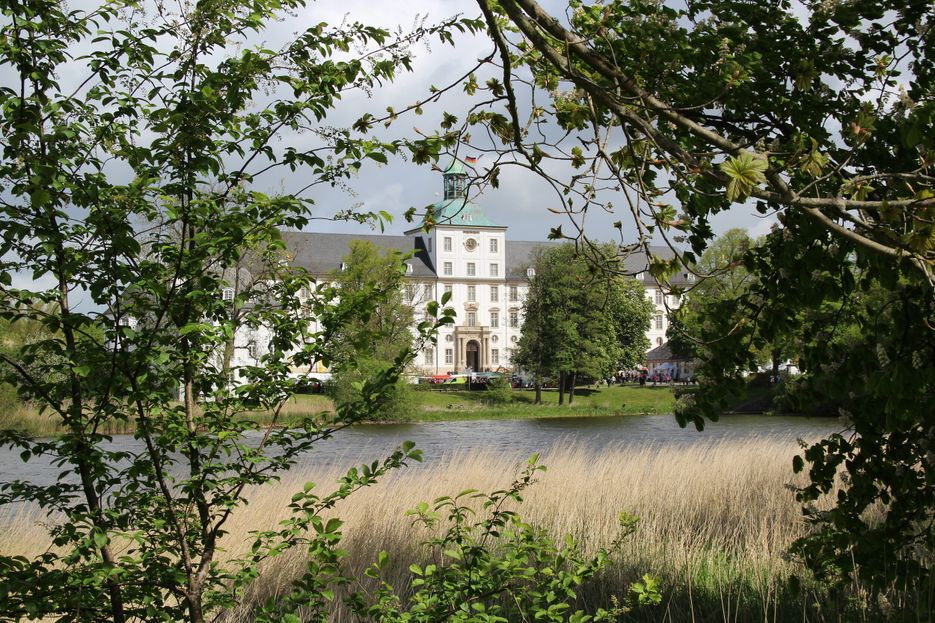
716,521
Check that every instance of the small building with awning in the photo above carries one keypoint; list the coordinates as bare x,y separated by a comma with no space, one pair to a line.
661,360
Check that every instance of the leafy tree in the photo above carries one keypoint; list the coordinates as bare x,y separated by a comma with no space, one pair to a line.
578,320
133,142
702,103
820,114
711,312
537,340
632,312
369,344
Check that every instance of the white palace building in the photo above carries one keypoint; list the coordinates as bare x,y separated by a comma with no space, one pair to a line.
469,255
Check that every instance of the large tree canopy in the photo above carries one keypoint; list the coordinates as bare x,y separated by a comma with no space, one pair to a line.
820,115
826,111
132,140
577,321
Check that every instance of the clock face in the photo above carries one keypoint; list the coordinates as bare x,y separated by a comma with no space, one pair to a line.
470,244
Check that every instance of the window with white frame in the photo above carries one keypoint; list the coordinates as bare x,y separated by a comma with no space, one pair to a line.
471,269
514,318
429,356
472,293
493,245
494,319
228,294
658,297
446,268
447,244
448,288
658,321
472,319
494,270
514,293
690,276
495,356
494,294
530,272
449,355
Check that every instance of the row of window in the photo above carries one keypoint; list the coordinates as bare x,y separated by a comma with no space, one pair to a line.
660,297
470,243
471,269
471,319
450,356
494,293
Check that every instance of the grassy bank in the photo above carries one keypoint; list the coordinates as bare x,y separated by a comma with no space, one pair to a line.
428,406
716,522
439,405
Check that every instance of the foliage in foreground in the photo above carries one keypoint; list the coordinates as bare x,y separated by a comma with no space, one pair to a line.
822,115
492,569
133,142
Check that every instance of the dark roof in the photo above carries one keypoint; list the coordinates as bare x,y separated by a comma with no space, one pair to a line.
637,262
519,256
321,254
662,353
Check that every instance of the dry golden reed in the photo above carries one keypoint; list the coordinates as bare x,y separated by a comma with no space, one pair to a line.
719,516
715,519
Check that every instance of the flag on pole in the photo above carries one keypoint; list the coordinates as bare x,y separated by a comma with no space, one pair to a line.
470,159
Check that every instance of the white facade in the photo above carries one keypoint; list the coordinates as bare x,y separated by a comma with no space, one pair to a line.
464,253
471,264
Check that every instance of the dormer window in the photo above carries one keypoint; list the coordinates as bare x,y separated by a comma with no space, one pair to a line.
530,272
408,268
228,295
343,266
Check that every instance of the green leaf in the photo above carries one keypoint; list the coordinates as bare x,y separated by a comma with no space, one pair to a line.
745,171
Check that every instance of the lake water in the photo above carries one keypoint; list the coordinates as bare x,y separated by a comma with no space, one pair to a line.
513,438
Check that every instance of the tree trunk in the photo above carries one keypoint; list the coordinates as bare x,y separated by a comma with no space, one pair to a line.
538,400
571,390
561,388
775,354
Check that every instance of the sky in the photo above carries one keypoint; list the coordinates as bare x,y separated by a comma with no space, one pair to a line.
520,203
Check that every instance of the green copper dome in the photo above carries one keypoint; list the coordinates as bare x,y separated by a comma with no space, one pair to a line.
455,168
456,209
461,212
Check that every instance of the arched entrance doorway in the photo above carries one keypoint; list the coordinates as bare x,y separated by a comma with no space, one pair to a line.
472,359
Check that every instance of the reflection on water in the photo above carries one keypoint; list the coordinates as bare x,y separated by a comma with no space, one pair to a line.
514,438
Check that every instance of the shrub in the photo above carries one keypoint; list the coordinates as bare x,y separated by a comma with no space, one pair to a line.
499,390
